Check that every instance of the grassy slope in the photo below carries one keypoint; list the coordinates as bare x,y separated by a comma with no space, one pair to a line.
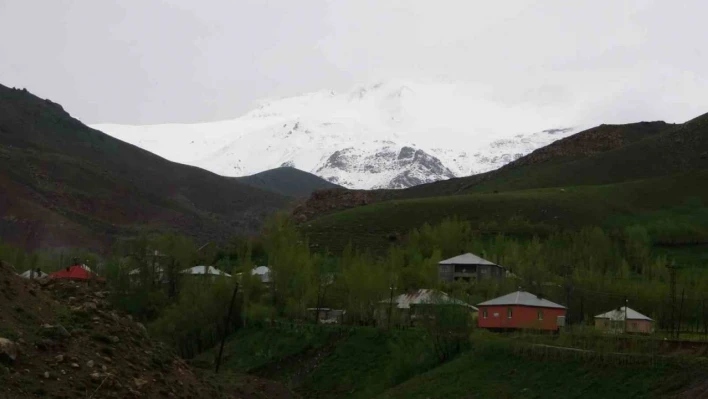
644,151
287,181
499,373
610,206
366,363
359,364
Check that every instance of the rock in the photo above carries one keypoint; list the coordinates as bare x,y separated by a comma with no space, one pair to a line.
139,382
89,306
8,351
57,331
46,375
59,358
89,364
104,368
75,365
142,328
114,339
63,372
44,344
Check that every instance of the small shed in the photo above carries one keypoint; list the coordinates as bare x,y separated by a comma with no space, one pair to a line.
468,267
624,319
521,310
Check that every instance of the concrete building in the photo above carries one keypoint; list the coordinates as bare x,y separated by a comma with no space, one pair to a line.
624,319
468,267
521,310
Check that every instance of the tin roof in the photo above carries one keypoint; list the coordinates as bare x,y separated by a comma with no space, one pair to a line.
210,270
466,259
522,298
426,296
263,272
618,314
37,274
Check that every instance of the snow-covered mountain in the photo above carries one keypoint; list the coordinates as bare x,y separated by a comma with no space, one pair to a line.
387,135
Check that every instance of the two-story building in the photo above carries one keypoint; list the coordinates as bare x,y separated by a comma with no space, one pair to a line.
468,267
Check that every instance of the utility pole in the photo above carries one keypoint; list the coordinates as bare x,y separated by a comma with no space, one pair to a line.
678,330
672,293
390,307
705,325
568,290
226,328
625,314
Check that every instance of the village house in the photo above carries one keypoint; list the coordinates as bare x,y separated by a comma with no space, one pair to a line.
205,271
623,320
33,273
410,308
468,267
77,273
263,273
521,310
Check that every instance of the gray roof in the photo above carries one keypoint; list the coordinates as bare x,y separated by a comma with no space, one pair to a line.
205,270
522,298
27,274
426,297
618,314
466,259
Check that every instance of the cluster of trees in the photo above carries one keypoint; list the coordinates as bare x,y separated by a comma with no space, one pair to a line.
590,271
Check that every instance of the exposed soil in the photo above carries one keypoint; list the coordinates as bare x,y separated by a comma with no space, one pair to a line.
62,339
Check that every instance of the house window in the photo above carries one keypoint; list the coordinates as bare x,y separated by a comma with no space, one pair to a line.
634,326
540,314
484,313
508,313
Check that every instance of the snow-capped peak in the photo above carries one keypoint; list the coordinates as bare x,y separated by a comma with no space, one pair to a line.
385,135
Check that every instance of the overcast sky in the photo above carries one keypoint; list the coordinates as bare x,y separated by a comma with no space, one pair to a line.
153,61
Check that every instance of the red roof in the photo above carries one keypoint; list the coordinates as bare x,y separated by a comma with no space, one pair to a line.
75,272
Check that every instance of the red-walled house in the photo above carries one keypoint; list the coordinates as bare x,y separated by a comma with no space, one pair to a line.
520,310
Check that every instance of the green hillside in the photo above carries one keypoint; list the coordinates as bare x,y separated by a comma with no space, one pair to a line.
682,199
287,181
497,372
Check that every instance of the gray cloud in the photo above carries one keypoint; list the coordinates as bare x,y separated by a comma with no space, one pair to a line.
150,61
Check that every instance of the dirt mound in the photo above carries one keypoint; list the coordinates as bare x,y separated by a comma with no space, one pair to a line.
329,201
61,339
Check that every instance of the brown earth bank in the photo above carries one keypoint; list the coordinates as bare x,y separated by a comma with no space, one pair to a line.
62,339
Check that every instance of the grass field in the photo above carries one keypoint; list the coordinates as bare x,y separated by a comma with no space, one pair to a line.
675,207
365,362
494,371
